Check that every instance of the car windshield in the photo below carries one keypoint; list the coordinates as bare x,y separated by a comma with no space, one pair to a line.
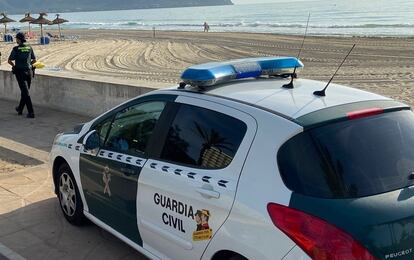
351,159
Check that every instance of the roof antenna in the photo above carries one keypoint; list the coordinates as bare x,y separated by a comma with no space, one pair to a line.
293,76
321,93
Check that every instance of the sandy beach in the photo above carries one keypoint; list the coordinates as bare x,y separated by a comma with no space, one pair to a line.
8,167
11,161
381,65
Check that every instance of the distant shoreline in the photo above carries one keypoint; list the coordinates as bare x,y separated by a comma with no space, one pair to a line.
266,33
127,30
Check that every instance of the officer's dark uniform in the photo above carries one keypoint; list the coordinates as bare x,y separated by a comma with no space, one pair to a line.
23,55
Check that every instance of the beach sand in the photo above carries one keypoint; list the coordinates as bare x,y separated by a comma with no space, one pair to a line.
381,65
11,161
9,167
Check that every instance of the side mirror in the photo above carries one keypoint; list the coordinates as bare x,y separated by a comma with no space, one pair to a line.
91,141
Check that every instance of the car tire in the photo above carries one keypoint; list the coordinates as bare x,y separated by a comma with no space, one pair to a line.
69,197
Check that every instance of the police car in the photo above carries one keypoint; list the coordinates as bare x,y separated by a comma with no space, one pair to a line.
232,165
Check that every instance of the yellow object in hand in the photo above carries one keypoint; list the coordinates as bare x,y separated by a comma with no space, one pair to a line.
39,65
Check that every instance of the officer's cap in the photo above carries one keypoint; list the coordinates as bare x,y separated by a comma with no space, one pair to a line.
21,37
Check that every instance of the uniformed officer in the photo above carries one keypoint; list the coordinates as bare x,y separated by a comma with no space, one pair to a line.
21,59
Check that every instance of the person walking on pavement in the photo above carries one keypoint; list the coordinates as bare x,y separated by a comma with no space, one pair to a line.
21,59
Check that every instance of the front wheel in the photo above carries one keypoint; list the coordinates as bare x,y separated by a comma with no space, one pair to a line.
69,197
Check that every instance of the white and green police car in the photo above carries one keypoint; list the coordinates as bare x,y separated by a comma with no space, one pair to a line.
231,165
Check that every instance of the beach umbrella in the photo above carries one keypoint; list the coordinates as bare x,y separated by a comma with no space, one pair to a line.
59,21
41,20
27,19
5,20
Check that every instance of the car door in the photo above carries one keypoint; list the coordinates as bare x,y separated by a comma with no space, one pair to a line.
110,178
187,188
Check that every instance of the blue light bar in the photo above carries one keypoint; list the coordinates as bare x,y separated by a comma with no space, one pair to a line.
214,73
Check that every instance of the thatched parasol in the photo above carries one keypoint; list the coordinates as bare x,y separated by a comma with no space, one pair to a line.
5,20
41,20
27,19
59,21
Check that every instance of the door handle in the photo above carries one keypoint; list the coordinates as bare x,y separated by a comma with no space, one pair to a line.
208,193
127,171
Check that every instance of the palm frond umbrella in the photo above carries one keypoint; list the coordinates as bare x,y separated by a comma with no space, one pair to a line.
5,20
59,21
42,20
27,19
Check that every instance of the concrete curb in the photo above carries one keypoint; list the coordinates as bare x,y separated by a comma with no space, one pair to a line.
79,96
9,254
24,149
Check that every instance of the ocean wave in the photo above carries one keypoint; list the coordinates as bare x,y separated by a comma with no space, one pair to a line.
369,25
334,26
138,23
105,24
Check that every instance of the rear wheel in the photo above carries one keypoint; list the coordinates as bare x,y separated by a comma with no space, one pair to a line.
69,197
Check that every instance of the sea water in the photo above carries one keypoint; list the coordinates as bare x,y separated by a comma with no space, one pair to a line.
328,17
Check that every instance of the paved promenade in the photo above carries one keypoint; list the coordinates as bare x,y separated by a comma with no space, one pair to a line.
31,223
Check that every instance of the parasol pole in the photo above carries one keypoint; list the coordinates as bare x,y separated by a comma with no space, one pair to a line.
41,30
60,34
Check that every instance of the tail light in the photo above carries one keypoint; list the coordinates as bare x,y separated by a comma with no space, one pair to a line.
319,239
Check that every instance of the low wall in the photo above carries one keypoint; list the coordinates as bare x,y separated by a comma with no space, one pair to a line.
80,96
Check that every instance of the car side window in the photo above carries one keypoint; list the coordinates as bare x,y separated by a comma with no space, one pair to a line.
103,128
133,127
203,138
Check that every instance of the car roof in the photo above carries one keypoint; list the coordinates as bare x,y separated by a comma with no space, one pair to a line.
293,103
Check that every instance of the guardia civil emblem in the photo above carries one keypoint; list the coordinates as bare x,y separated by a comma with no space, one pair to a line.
106,179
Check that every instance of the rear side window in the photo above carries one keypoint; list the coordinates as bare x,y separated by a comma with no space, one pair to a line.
203,138
351,159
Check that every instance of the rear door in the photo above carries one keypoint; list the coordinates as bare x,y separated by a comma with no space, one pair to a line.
187,189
